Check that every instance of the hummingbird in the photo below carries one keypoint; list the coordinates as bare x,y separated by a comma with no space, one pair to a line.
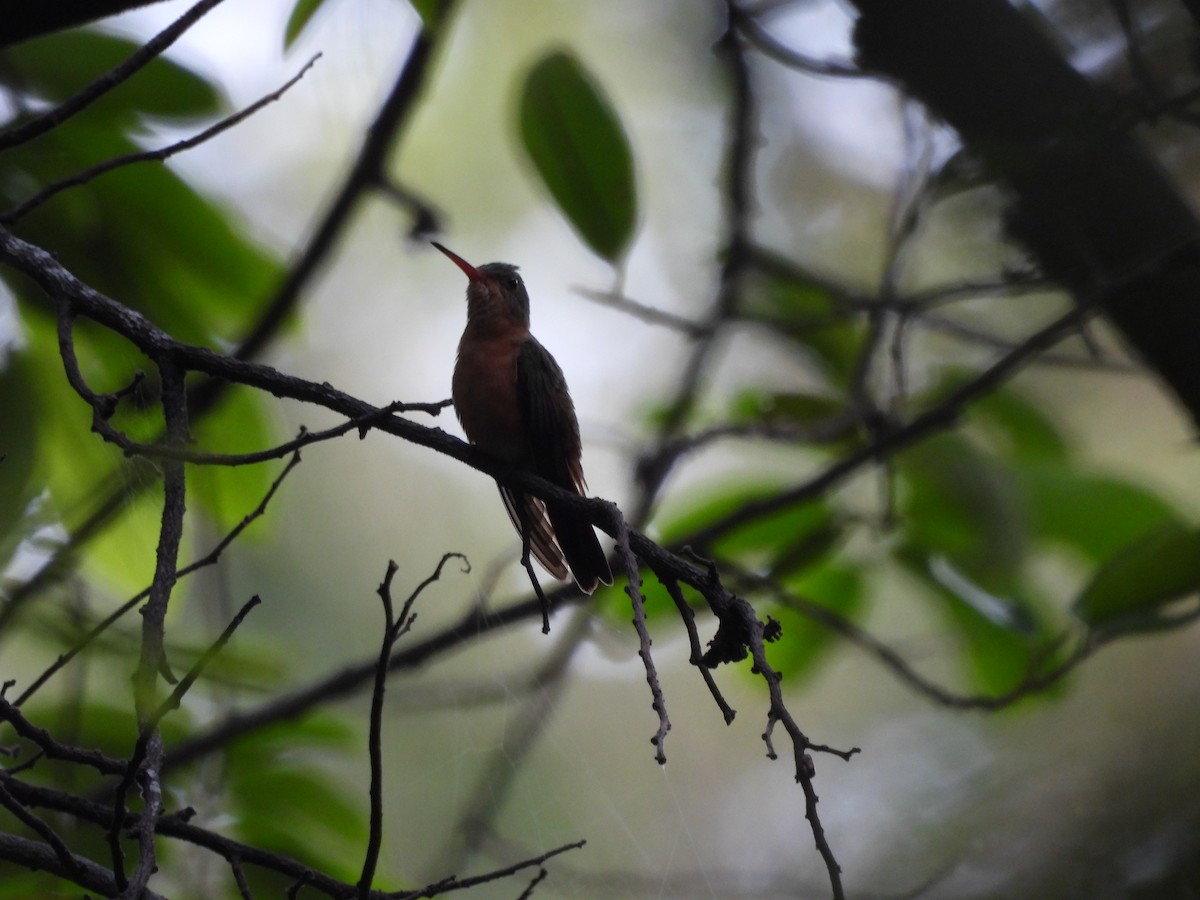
512,400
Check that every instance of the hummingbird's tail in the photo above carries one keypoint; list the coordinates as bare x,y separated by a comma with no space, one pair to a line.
559,539
578,541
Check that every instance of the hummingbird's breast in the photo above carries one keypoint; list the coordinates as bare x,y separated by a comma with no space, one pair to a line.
484,389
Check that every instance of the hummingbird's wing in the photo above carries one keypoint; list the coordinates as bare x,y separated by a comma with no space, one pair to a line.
549,417
553,431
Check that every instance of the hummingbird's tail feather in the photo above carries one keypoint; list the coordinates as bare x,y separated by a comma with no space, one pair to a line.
578,541
529,513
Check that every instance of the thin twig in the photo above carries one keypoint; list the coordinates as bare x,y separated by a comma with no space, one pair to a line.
185,683
941,415
395,627
521,733
375,735
688,617
736,191
239,878
649,314
452,883
49,835
633,582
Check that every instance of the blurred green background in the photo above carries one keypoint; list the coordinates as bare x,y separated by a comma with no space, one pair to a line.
1062,507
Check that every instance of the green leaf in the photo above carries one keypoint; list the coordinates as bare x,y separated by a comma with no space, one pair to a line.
19,413
798,407
807,314
237,425
288,799
787,539
430,11
59,65
1017,429
999,644
960,503
1157,568
614,602
806,641
580,150
1093,514
302,14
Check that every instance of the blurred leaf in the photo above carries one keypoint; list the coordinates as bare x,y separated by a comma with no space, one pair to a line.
778,536
1157,568
19,413
237,425
21,884
288,801
80,469
429,11
580,150
998,648
614,601
1017,429
60,65
964,505
1094,514
806,641
788,406
144,237
302,13
99,725
1004,612
806,312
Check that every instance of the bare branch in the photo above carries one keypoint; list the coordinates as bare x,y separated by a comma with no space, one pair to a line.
649,314
70,863
375,735
697,656
84,872
461,884
633,582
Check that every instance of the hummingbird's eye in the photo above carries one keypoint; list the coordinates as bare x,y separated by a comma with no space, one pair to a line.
512,282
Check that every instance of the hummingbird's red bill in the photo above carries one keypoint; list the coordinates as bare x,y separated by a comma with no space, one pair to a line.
471,272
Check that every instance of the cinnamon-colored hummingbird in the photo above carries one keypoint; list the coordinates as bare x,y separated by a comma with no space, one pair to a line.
512,400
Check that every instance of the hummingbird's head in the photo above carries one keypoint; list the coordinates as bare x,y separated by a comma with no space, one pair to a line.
494,289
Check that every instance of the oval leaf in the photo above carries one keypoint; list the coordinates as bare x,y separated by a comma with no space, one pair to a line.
581,152
430,12
1156,569
58,65
302,14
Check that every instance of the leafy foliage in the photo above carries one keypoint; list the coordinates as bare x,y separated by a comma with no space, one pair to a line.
302,13
964,519
140,233
580,151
